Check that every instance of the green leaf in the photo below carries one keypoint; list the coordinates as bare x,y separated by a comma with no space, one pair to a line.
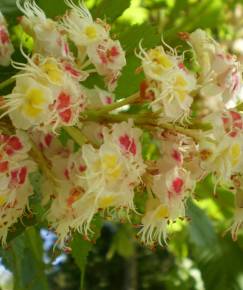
36,199
123,242
221,269
80,250
129,81
201,230
185,18
25,259
130,36
53,8
223,197
110,9
9,9
81,247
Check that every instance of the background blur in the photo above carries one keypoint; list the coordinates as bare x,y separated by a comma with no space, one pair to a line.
200,255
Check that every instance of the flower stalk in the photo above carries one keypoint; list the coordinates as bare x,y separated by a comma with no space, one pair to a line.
7,83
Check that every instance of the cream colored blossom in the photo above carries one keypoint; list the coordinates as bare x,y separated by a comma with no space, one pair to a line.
170,83
46,95
48,38
15,188
81,27
220,73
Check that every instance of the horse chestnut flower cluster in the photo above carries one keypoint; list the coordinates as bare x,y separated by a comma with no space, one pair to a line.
193,117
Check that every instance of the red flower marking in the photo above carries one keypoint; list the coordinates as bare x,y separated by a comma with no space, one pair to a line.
184,35
107,55
232,123
66,49
114,51
235,116
177,156
3,166
82,168
225,120
13,144
18,176
4,37
145,93
177,185
63,103
236,82
108,100
66,115
74,196
128,144
70,69
182,67
66,173
48,138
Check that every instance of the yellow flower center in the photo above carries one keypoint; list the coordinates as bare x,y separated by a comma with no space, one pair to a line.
109,166
160,58
2,200
182,95
106,201
162,212
180,81
34,100
235,154
90,32
53,71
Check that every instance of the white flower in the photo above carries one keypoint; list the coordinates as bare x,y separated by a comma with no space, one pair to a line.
173,94
49,40
168,82
221,147
225,79
46,96
15,187
204,48
220,75
223,159
98,98
28,104
172,188
111,174
61,214
107,170
108,58
157,62
169,185
154,222
80,26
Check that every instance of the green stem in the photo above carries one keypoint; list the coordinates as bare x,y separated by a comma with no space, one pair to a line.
75,134
42,162
239,107
194,133
119,104
144,120
82,278
6,83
